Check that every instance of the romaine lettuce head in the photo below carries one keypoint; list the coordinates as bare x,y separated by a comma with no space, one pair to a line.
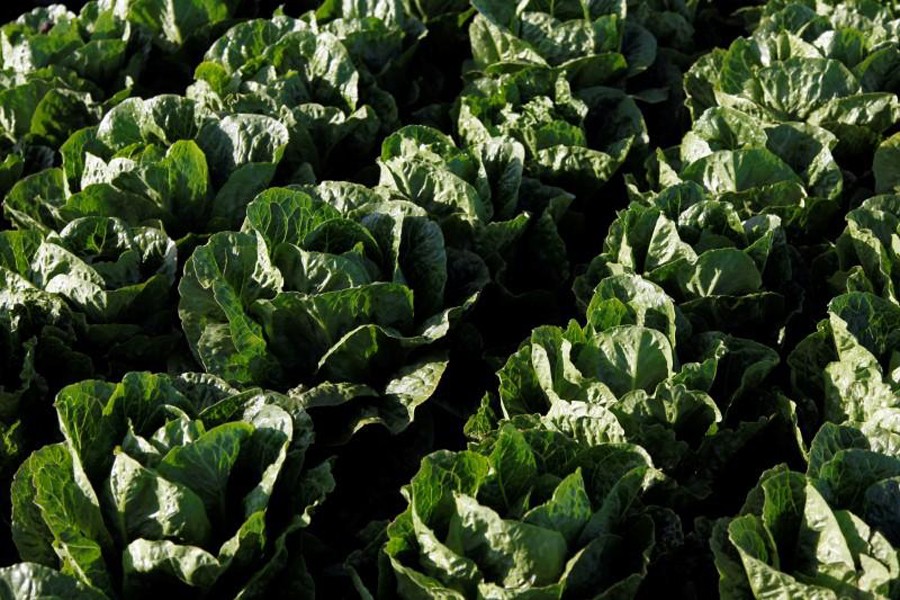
856,466
780,78
119,280
792,538
526,513
574,140
866,257
384,38
484,203
760,167
862,34
165,161
100,49
590,43
850,367
635,372
304,77
58,73
179,484
334,300
725,273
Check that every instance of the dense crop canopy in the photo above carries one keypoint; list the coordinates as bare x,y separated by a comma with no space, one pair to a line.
525,300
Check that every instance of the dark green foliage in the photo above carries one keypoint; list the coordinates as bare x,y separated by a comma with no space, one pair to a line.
450,299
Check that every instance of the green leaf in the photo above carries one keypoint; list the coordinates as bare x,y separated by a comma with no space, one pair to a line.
221,279
829,440
205,465
325,319
35,201
510,552
249,40
627,358
144,561
150,507
240,140
644,303
567,511
739,170
887,176
850,473
56,517
281,215
173,23
30,581
723,272
162,119
760,562
514,467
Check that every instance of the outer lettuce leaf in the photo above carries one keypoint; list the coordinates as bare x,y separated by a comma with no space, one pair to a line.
885,166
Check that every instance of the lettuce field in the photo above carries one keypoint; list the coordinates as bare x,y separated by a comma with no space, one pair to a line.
450,299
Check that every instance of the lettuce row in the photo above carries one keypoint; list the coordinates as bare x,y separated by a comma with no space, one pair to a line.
348,299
